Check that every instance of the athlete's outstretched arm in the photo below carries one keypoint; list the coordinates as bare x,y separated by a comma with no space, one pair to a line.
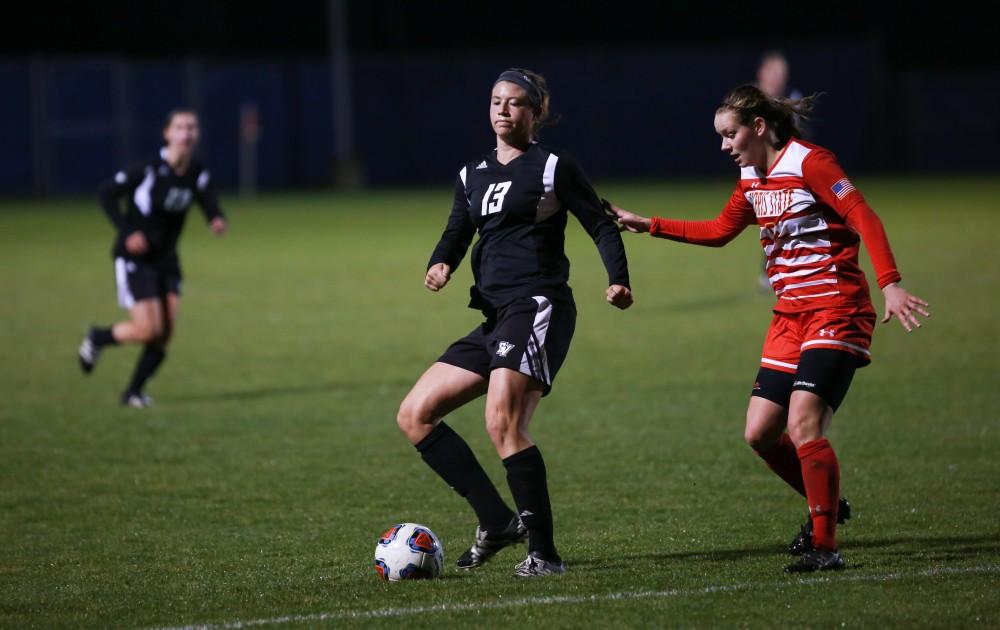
574,191
736,216
454,241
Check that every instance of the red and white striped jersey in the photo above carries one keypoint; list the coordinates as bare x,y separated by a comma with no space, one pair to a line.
810,217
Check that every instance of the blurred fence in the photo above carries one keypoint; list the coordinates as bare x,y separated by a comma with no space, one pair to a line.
68,123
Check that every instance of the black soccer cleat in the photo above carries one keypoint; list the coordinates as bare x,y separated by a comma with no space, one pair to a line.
488,544
802,543
818,560
88,353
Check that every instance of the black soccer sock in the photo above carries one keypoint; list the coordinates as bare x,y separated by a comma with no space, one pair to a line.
101,337
526,478
451,458
149,360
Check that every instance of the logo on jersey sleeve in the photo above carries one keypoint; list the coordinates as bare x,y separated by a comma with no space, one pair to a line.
842,188
493,199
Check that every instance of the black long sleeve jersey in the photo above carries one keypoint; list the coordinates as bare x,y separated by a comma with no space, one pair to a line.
519,210
157,203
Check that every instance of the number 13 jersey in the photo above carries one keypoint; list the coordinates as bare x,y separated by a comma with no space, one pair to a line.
519,210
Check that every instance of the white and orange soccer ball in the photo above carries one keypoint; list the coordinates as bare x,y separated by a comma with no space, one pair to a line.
409,551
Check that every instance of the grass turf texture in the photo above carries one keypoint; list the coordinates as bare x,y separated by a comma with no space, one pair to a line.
257,485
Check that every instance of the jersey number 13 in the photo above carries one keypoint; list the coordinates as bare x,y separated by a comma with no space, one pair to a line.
493,199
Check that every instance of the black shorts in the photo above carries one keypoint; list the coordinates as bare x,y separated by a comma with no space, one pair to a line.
140,281
824,372
529,335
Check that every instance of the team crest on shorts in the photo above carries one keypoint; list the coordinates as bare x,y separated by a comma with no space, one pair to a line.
503,348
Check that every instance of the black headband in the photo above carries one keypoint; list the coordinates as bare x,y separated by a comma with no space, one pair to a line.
519,78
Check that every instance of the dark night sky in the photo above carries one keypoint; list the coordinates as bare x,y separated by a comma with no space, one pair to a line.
929,37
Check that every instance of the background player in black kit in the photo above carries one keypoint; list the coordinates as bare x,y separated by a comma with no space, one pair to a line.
517,198
147,268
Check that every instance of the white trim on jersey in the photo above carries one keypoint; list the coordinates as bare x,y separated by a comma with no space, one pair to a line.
801,260
812,295
125,298
548,205
798,243
534,361
142,198
811,283
790,164
461,174
793,366
816,342
806,224
802,272
203,180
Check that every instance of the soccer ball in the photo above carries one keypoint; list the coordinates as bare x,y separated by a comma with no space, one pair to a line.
408,552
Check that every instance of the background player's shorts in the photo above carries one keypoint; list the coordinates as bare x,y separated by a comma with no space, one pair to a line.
138,281
529,335
845,329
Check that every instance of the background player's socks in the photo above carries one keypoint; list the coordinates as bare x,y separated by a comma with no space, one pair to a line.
149,360
821,474
451,458
526,478
101,337
783,459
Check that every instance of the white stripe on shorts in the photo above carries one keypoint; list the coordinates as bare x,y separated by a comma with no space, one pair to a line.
817,342
534,362
125,298
792,366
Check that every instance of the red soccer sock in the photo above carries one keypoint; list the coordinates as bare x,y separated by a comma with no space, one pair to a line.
784,461
821,474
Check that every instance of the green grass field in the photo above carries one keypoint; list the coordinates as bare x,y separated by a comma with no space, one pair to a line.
254,490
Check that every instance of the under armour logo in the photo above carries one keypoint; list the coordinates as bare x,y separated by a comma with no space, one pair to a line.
503,348
827,332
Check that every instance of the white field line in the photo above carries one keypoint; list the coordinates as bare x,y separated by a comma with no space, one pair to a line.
586,599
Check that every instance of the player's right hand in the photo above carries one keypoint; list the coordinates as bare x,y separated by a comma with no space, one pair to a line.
630,221
135,243
437,276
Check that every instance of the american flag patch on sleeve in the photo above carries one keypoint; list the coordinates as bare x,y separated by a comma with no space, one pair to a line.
842,188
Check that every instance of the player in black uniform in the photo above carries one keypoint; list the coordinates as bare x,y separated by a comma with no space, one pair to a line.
517,198
147,269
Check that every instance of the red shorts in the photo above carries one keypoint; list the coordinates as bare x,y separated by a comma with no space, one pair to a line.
791,334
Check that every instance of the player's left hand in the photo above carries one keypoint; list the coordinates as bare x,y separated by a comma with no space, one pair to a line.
899,302
619,296
219,226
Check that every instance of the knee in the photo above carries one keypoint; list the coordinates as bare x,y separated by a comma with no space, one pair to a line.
757,439
803,427
762,433
413,415
502,426
148,333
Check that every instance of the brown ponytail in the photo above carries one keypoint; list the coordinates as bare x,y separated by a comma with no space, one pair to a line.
783,115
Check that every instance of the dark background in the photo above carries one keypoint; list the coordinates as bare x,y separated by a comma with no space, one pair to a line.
87,84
